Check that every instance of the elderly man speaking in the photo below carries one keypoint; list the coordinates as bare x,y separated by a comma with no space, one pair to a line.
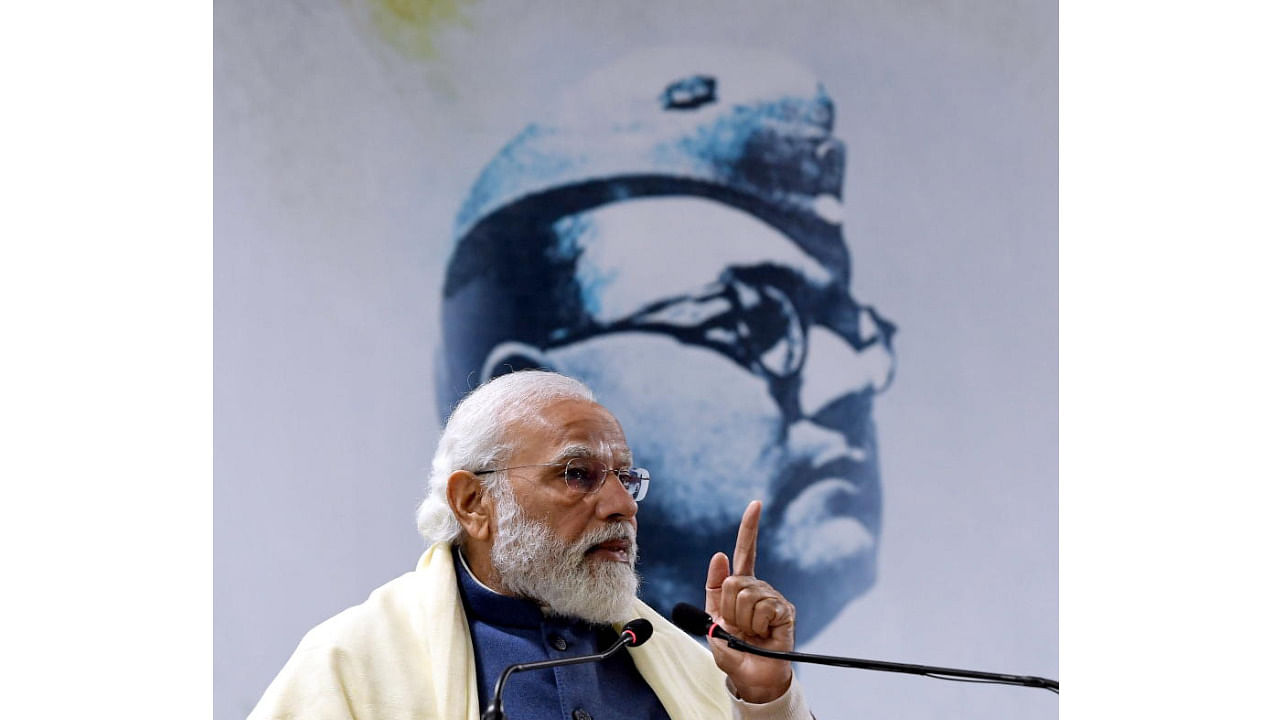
531,516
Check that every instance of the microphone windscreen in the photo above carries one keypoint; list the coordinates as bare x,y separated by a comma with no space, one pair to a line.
642,630
691,619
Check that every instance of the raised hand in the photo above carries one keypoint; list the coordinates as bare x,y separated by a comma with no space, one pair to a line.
753,610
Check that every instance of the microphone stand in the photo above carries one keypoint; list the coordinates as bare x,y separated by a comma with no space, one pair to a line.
926,670
627,638
696,622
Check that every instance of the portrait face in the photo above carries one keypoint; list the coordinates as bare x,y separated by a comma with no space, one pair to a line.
671,234
742,369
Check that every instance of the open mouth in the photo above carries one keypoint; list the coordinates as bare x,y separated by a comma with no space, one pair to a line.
616,550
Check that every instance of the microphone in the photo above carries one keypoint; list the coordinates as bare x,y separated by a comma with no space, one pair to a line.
633,634
696,622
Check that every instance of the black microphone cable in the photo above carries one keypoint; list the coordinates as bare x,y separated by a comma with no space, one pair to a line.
696,622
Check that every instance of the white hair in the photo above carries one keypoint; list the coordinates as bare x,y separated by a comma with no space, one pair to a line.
536,564
475,437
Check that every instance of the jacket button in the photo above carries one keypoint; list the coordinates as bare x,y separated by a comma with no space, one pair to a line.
558,643
581,714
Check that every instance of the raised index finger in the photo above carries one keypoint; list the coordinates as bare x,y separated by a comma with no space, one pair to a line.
744,552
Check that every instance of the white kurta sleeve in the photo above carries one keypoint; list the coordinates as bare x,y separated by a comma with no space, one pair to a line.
790,706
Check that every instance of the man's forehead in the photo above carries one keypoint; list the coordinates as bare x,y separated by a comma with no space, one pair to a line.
635,252
574,428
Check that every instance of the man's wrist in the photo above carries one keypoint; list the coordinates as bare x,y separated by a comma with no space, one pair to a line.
760,695
790,705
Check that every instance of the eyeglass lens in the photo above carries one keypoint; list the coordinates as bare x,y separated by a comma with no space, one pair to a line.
586,476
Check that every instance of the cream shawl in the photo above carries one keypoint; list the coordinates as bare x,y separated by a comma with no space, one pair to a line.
405,654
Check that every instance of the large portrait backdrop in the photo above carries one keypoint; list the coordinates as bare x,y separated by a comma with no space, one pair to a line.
806,254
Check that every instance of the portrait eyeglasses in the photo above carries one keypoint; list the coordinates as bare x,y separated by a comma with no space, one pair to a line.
587,476
755,321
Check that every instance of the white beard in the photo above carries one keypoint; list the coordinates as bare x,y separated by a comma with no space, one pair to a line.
533,563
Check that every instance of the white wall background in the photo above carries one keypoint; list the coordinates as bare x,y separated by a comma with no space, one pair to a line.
339,163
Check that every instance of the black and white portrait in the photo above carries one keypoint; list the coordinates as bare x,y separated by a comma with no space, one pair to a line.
673,236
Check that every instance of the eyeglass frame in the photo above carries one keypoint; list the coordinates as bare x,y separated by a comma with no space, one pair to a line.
838,311
638,495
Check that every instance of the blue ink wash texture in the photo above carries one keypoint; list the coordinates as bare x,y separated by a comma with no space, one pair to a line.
775,344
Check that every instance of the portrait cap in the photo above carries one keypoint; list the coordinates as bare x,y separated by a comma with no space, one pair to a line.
747,128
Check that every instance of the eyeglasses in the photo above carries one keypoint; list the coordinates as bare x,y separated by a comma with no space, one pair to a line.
761,323
586,476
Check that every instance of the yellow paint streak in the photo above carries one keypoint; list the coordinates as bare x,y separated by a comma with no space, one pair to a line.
410,25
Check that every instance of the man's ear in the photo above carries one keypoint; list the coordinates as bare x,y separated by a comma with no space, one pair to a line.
466,496
508,357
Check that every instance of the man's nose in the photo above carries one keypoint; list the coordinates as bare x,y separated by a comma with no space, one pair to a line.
614,501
